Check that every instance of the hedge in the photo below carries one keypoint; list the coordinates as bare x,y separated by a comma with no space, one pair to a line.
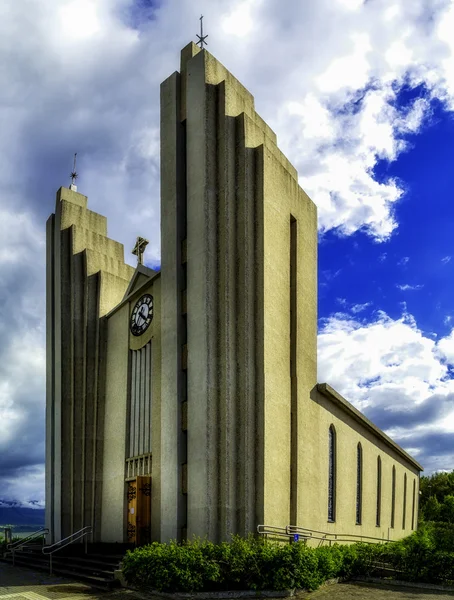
243,564
256,564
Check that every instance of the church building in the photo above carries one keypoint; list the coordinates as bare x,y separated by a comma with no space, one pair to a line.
185,401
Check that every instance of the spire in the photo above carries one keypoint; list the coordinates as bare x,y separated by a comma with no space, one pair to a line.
202,37
74,176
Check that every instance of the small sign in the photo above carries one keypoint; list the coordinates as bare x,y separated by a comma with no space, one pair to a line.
296,537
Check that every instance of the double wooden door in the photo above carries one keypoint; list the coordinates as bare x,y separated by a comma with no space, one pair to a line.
139,511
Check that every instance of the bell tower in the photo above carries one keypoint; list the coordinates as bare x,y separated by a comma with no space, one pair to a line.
239,256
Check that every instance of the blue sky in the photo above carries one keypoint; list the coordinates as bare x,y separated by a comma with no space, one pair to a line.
361,97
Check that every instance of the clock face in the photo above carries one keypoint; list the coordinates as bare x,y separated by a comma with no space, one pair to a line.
142,315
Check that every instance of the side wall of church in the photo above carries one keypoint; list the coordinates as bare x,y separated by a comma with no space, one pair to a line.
376,493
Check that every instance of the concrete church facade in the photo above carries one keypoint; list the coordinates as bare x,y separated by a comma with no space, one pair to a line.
185,402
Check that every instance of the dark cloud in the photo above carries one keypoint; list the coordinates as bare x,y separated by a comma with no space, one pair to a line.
394,415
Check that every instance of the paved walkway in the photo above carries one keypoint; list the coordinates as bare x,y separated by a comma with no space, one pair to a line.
17,583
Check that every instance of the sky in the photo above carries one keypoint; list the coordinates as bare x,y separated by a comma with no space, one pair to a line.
361,96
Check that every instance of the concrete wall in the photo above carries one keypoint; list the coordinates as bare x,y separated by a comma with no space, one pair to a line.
115,426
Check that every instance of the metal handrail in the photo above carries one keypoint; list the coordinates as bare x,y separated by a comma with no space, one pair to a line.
290,530
16,545
77,535
21,542
335,536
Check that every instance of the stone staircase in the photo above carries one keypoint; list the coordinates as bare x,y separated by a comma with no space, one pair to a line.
96,568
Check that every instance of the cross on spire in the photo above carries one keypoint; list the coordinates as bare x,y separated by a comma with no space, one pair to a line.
202,37
74,175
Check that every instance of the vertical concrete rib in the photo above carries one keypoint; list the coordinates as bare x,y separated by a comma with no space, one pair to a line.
91,353
137,404
259,336
64,414
149,398
51,466
78,349
241,291
227,319
132,400
99,416
143,363
173,199
201,152
250,344
95,455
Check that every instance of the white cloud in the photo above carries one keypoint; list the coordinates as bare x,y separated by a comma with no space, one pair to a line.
398,376
446,259
403,261
356,308
405,286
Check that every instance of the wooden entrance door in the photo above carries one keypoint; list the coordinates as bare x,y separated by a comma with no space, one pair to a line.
139,511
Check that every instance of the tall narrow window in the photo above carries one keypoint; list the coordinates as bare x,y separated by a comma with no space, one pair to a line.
332,474
293,370
404,511
413,505
393,497
359,483
378,512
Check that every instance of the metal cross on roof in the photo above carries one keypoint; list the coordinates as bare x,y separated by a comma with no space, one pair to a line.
202,37
139,249
74,175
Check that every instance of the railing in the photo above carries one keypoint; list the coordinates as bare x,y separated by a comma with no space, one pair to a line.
77,535
20,543
290,531
335,537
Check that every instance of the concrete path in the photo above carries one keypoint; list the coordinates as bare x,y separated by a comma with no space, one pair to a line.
17,583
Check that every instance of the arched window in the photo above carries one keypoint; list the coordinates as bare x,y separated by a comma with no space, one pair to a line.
413,505
404,511
393,497
378,514
332,474
359,483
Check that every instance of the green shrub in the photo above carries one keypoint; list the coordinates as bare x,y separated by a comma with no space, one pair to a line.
256,564
243,564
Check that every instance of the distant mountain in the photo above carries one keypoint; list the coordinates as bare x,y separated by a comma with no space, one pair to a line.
12,513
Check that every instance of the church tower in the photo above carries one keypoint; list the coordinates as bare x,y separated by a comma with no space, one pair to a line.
238,285
86,278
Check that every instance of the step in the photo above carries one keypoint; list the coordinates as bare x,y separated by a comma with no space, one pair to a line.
82,568
88,562
94,580
66,563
